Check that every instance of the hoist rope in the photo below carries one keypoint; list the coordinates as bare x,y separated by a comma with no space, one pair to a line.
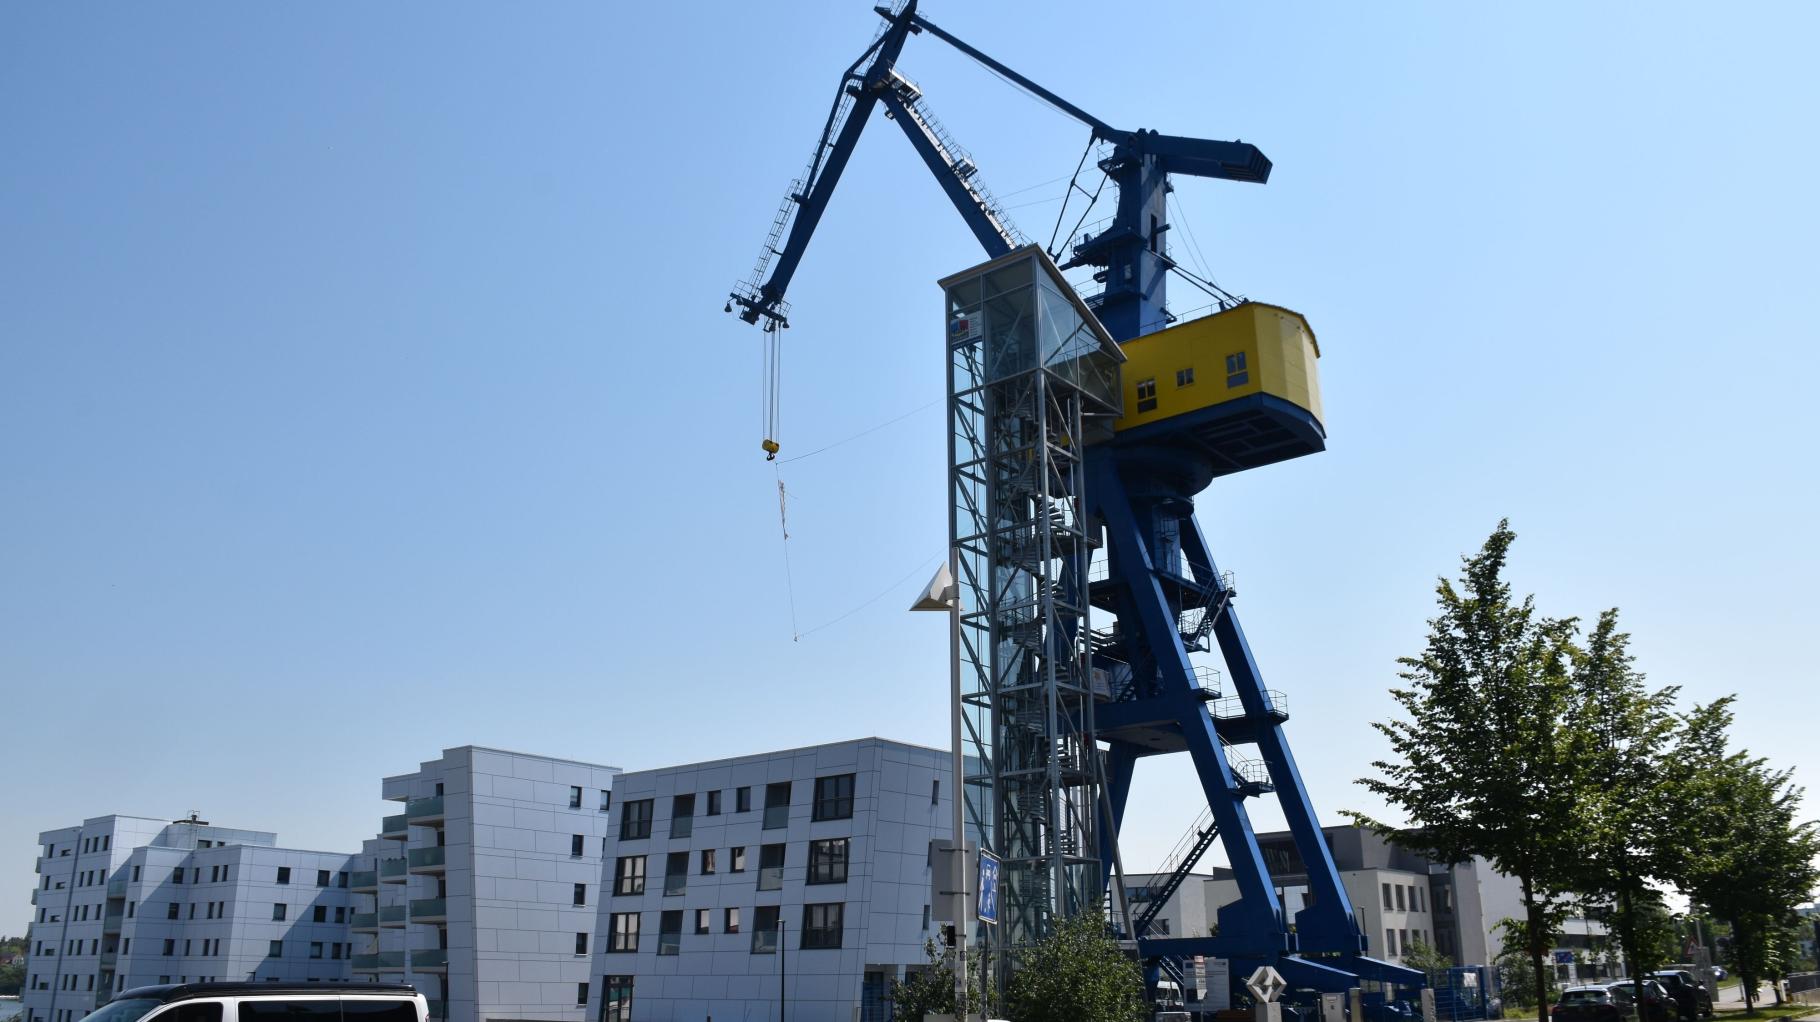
863,432
783,524
887,591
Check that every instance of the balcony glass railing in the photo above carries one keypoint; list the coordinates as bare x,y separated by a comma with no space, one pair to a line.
108,959
424,808
391,915
110,923
378,961
777,817
429,908
669,943
391,869
764,942
427,858
364,921
682,826
365,879
676,883
430,958
116,888
393,825
771,878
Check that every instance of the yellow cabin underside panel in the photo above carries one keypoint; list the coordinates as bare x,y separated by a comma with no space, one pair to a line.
1250,349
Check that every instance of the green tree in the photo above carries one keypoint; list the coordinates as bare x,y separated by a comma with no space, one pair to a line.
931,991
1483,762
1077,973
1421,955
1517,977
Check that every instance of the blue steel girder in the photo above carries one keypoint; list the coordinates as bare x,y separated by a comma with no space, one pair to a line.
1327,925
994,236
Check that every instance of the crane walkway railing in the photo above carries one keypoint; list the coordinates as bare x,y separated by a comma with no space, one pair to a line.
1177,866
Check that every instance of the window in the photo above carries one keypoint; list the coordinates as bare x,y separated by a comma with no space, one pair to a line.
635,820
177,876
730,923
581,943
315,949
574,796
1146,395
322,878
606,800
284,874
770,867
130,906
822,925
1388,903
714,803
335,951
320,914
574,846
736,859
777,805
341,878
622,932
173,908
278,910
764,930
935,791
327,1009
1399,893
135,874
1236,374
1184,377
682,816
170,947
703,918
828,861
629,875
1420,901
676,873
1390,941
581,989
669,933
341,914
581,894
742,800
616,999
707,862
834,797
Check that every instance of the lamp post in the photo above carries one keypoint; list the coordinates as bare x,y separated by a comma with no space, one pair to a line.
782,968
943,593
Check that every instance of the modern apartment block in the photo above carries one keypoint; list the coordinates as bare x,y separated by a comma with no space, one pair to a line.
808,868
482,891
123,901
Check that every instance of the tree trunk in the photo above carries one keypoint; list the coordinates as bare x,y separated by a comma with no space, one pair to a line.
1537,950
1627,938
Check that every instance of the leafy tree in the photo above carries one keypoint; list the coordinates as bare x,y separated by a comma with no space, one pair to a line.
932,990
1421,955
1517,977
1484,763
1077,973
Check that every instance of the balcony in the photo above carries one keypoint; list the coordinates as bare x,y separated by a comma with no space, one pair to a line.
424,812
35,891
429,910
675,883
682,826
428,860
108,960
430,959
366,880
382,961
394,827
391,871
391,915
764,942
777,817
110,923
364,921
770,878
116,888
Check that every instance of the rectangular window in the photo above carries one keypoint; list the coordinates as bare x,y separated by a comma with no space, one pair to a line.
171,910
707,862
177,876
1146,395
770,867
135,874
575,846
581,943
1399,892
730,923
320,914
606,800
574,796
581,989
669,933
714,802
581,894
322,878
278,910
834,797
822,925
742,800
1388,902
635,820
1236,373
764,930
1390,941
616,999
275,949
1184,377
315,949
284,874
777,805
682,816
629,875
736,859
341,878
704,917
935,791
341,914
828,861
676,873
622,931
1403,940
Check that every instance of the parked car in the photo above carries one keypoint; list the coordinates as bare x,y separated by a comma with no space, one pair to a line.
1613,1002
265,1002
1689,993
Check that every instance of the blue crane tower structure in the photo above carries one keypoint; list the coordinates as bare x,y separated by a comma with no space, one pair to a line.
1115,517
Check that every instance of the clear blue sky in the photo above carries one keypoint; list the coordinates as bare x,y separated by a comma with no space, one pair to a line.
365,388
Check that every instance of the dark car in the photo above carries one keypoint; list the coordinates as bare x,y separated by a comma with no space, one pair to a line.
1689,993
1613,1002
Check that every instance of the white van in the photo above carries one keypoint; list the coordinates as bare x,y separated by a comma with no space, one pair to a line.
266,1002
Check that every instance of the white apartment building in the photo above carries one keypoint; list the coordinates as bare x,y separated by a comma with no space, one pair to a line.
482,891
804,872
124,901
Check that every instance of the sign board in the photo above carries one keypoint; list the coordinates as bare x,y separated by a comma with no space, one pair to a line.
1564,957
988,888
1216,992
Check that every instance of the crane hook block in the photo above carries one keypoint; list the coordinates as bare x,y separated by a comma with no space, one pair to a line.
771,449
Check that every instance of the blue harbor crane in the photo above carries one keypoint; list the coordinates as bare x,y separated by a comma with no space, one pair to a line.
1079,534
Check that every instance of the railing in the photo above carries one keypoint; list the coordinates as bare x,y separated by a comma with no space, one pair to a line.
682,826
364,879
116,888
364,921
391,915
776,817
391,869
424,808
110,923
428,858
1276,704
109,958
764,942
424,909
669,942
770,878
1251,772
430,958
1207,679
379,960
394,825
